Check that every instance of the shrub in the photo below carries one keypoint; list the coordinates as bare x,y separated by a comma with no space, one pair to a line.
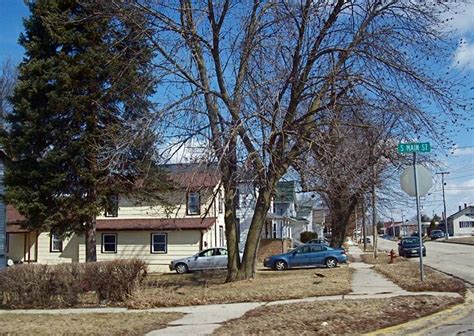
306,236
40,286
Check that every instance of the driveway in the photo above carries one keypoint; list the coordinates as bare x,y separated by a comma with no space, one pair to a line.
455,259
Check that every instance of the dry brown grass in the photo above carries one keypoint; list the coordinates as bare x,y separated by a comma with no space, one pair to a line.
84,324
205,288
463,240
406,274
351,317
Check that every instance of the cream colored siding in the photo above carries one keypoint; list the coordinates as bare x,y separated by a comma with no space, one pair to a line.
127,208
137,244
70,252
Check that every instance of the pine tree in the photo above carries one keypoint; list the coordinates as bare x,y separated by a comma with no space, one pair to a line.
81,125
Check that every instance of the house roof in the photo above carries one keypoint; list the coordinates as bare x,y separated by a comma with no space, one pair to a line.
468,210
156,224
16,228
193,175
13,216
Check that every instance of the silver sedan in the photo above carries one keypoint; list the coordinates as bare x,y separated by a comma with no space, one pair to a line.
213,258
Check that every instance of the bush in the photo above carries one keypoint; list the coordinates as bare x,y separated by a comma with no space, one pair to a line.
41,286
306,236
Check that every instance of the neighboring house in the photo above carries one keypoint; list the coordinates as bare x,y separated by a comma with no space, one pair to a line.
155,234
320,218
462,222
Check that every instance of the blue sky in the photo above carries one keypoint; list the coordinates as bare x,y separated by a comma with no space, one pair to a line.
459,162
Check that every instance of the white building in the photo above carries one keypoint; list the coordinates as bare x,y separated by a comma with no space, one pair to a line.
462,222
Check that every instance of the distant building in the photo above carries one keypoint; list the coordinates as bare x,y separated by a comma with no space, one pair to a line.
461,223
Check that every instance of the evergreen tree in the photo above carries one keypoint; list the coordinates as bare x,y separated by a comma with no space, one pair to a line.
80,130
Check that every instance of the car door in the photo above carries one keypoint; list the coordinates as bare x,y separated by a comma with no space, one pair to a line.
300,257
317,254
204,260
220,258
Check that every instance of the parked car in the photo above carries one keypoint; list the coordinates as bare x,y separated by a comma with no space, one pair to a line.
307,255
436,234
410,246
213,258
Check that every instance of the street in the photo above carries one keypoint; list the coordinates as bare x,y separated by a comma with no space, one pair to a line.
454,259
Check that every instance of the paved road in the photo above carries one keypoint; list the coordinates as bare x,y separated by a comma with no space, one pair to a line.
455,259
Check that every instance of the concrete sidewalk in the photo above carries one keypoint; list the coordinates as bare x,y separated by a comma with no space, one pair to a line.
205,319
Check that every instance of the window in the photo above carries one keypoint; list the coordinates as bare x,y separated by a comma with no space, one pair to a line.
220,251
109,243
466,224
111,208
221,236
207,253
220,205
237,199
193,204
159,243
274,230
55,243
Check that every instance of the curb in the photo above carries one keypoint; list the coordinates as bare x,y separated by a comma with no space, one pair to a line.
430,322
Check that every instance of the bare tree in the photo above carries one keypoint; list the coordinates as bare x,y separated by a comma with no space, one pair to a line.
8,77
254,78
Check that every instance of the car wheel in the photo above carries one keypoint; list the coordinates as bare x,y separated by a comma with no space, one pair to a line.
281,265
331,262
181,268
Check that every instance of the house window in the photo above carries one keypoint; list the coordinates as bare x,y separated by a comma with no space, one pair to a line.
55,243
109,243
274,231
221,236
237,199
111,208
466,224
159,243
237,226
220,205
193,204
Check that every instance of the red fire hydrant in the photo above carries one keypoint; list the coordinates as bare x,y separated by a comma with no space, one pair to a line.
392,255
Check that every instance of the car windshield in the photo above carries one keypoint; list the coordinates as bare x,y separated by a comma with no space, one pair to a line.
410,241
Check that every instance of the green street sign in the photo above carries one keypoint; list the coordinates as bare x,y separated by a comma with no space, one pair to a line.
411,147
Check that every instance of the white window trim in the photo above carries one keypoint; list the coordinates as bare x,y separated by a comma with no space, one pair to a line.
103,244
152,245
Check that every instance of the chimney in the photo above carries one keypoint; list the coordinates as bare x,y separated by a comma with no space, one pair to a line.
465,205
460,208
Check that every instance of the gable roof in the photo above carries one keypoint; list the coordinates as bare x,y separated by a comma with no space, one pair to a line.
468,210
193,175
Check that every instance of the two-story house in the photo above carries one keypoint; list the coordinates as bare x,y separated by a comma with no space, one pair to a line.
191,220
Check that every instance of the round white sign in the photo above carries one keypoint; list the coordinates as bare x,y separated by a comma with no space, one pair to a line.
425,180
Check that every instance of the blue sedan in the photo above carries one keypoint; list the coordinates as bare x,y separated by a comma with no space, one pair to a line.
307,255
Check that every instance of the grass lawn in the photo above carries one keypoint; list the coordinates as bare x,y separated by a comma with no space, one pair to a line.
210,287
84,324
406,274
463,240
348,317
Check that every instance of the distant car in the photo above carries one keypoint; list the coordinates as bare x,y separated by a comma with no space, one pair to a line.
307,255
323,241
367,240
213,258
410,247
436,234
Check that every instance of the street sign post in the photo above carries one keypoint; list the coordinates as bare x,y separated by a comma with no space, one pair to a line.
415,147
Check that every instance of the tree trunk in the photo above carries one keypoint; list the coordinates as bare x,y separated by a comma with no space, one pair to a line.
247,268
341,211
233,258
91,251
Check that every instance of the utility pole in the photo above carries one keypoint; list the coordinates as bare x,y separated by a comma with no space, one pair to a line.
374,213
446,231
404,228
364,232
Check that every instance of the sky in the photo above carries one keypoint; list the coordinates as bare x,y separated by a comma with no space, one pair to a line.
458,160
